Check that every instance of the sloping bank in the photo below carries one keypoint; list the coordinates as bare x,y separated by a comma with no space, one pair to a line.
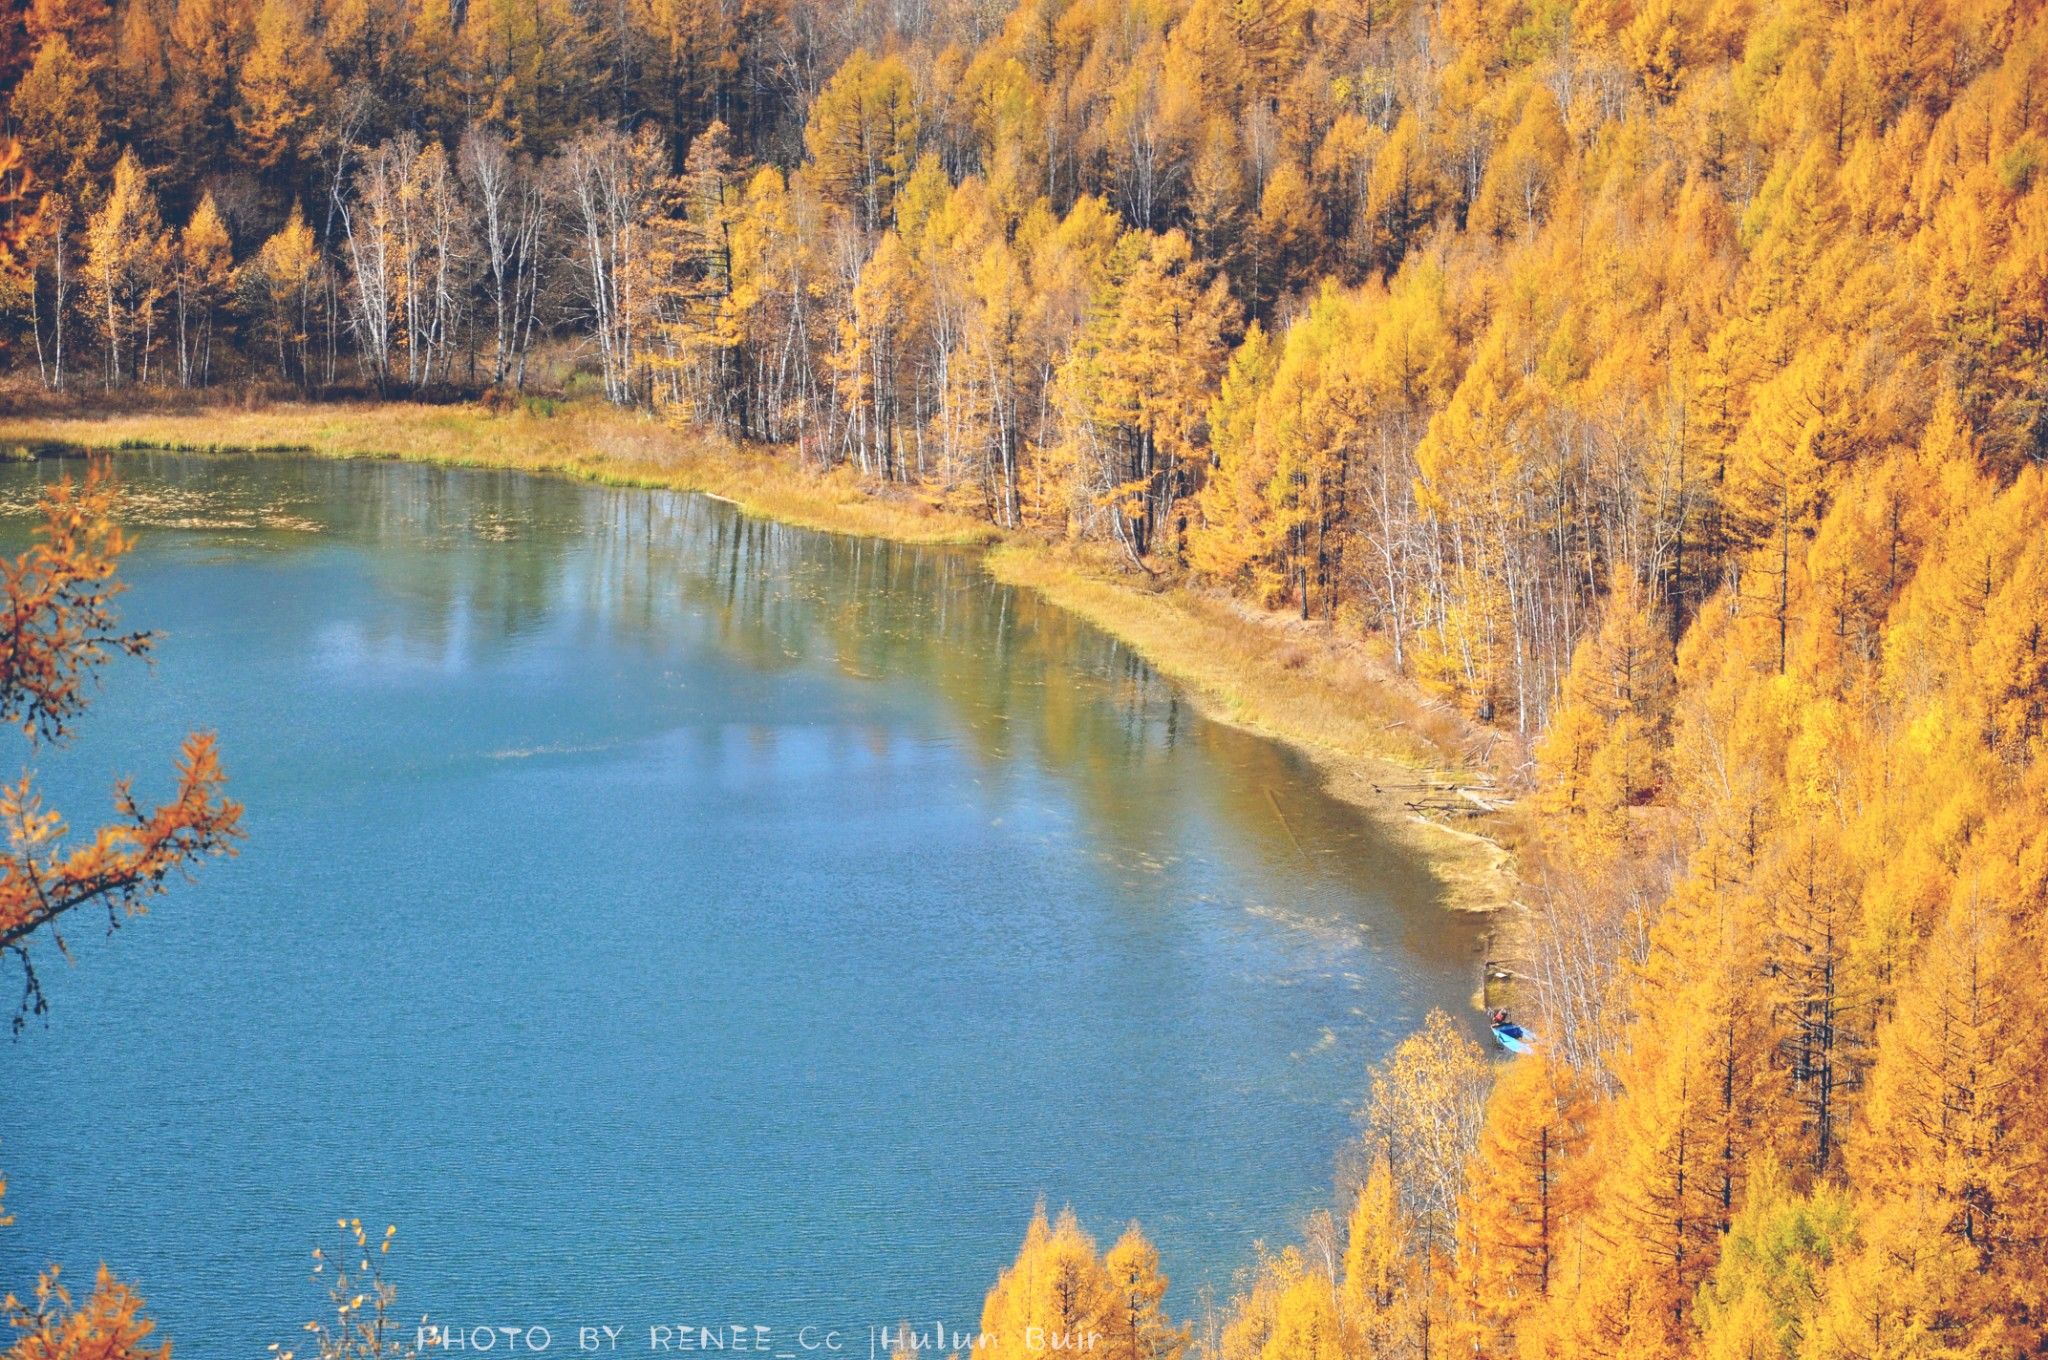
1380,745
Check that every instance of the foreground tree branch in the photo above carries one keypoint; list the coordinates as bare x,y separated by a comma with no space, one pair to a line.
107,1325
57,629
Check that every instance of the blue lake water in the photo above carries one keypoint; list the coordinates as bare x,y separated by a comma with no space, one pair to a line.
664,916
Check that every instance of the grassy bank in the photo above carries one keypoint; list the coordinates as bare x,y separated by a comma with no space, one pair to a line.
584,441
1379,743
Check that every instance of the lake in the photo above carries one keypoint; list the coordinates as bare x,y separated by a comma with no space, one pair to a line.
665,916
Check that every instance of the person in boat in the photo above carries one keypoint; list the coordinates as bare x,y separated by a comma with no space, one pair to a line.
1500,1019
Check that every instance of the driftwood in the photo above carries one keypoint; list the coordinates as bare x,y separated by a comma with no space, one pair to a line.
1442,798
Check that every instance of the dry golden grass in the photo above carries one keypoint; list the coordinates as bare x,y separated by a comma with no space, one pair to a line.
1380,744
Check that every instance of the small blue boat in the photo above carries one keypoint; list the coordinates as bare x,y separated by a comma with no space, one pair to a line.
1514,1038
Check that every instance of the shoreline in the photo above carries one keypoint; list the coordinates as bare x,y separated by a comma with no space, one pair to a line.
1379,745
1294,684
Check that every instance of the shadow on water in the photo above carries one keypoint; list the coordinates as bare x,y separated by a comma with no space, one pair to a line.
1022,678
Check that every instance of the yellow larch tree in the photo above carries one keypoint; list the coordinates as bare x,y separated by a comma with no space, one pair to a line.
208,41
277,288
127,271
1054,1296
1135,1325
1235,539
57,114
204,280
1956,1132
278,91
1525,1193
1382,1294
1763,1297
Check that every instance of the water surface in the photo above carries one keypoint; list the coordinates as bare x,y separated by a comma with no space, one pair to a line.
666,916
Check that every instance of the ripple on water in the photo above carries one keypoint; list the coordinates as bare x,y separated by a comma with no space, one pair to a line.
653,911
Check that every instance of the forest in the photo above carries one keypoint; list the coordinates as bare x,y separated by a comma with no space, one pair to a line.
1658,382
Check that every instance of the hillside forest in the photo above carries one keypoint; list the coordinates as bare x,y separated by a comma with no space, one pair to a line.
1660,382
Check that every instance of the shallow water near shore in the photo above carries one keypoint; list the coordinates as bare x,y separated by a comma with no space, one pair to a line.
666,917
